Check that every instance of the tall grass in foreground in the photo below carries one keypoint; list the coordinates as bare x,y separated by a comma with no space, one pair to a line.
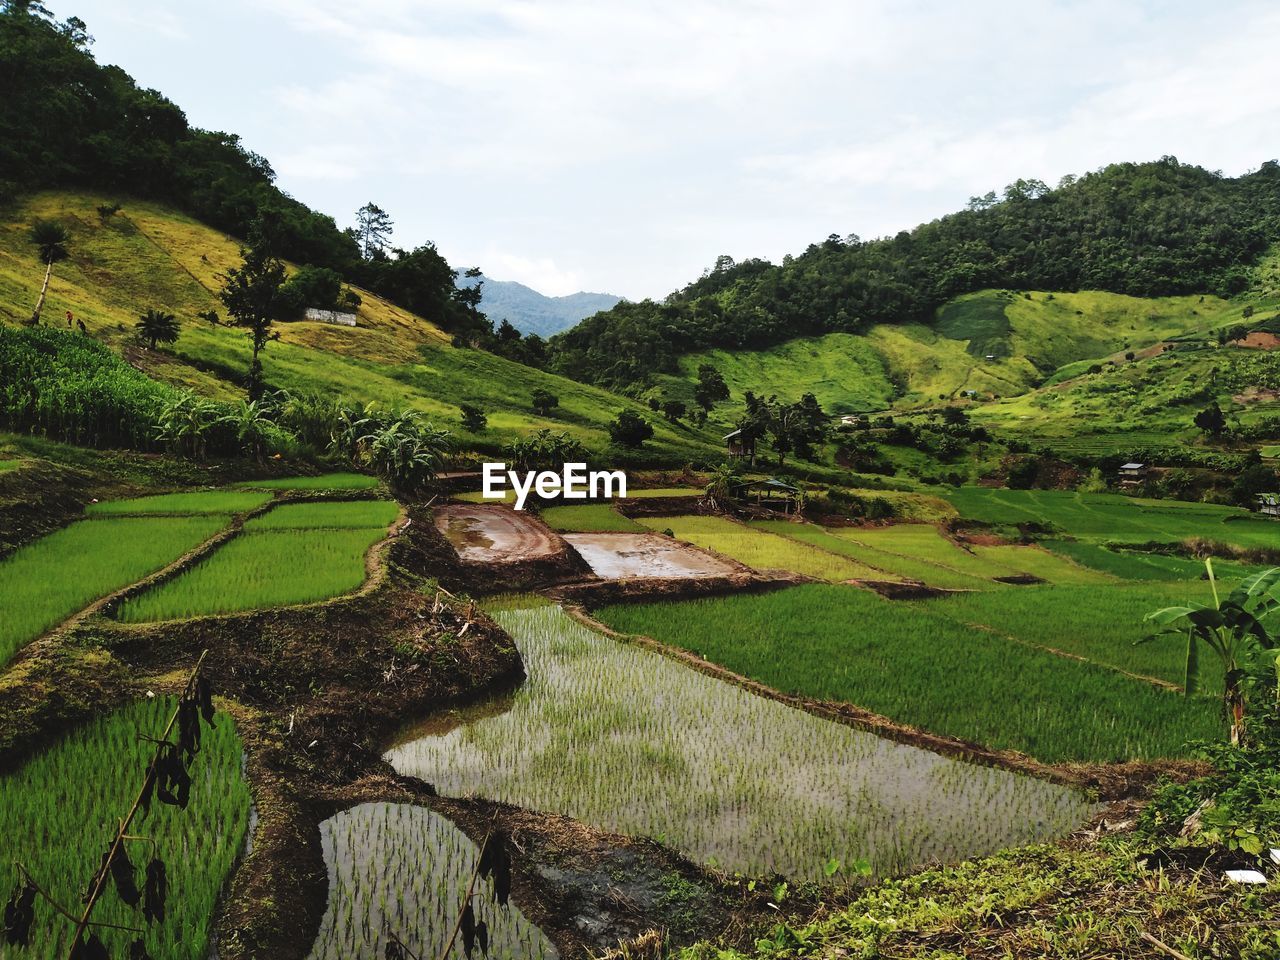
47,581
758,549
327,481
925,669
256,570
348,515
404,869
181,504
626,739
58,810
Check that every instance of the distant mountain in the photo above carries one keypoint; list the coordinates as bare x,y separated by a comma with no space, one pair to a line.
532,312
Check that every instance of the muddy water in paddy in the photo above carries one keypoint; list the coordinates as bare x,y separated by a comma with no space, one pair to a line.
618,556
493,532
397,868
627,740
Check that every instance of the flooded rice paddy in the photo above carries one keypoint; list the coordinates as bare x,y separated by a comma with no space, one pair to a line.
490,532
627,740
620,556
403,870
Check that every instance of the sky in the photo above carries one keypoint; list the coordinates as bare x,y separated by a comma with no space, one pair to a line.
620,146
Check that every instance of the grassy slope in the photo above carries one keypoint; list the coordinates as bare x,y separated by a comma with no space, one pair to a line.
150,256
1034,338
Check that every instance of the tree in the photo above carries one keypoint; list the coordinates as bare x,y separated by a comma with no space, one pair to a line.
1252,481
711,388
718,492
51,239
673,410
373,230
630,429
544,401
545,449
1211,420
1231,629
156,326
251,294
474,420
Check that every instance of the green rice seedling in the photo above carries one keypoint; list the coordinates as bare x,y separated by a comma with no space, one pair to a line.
915,665
760,549
1115,518
258,570
326,481
1137,565
58,810
663,492
1039,563
887,565
924,543
341,515
182,504
589,518
47,581
397,868
1102,626
626,739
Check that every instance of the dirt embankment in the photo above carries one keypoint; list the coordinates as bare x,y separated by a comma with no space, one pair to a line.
317,692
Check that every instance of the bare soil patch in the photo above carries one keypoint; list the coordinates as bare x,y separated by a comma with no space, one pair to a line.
1260,340
621,556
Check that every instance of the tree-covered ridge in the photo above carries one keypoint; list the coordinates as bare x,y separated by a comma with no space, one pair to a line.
1144,229
68,121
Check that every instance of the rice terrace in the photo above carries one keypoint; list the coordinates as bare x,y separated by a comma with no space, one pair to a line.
908,595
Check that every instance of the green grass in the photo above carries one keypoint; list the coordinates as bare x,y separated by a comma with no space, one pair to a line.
759,549
182,504
153,255
981,321
7,465
47,581
589,518
340,515
272,568
1103,517
842,370
927,670
58,810
326,481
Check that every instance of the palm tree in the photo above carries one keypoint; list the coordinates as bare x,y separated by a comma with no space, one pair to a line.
1232,629
156,326
51,239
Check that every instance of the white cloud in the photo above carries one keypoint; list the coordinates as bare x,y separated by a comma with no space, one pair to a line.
622,144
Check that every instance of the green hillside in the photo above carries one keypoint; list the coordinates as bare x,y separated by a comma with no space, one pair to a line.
150,256
993,344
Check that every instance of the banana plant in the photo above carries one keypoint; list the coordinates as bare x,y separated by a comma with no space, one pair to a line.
1232,629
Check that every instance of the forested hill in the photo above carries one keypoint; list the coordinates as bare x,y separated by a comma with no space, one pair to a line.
67,121
1143,229
532,312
